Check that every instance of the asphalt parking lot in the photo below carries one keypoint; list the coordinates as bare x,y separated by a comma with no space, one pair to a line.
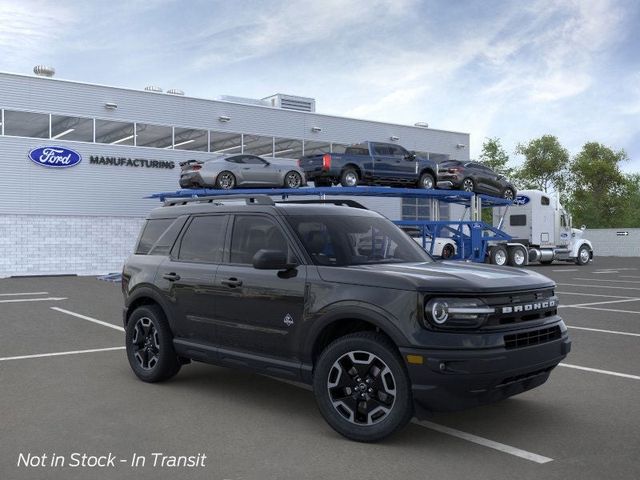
66,387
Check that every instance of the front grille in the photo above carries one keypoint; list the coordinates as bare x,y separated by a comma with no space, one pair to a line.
534,337
517,299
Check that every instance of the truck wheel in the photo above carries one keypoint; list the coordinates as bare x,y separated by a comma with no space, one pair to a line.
362,387
498,256
468,185
517,256
448,251
349,178
426,181
584,255
225,180
149,344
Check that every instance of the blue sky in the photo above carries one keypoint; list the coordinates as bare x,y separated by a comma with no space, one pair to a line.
511,69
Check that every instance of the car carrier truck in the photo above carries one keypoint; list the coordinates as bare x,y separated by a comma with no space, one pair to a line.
540,230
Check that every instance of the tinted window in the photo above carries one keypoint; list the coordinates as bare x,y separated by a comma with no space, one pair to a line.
544,201
252,233
397,151
204,239
164,244
251,160
342,240
235,159
26,124
151,233
382,150
518,220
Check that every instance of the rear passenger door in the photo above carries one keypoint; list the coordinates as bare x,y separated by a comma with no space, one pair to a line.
257,310
187,276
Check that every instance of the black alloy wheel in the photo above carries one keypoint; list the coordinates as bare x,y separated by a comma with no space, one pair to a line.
149,345
226,180
362,387
293,179
468,185
448,251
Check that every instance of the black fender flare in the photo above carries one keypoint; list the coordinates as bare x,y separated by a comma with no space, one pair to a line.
148,292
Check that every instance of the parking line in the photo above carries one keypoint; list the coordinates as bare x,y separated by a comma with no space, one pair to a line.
58,354
596,370
605,280
25,293
605,331
608,310
89,319
485,442
534,457
599,303
597,286
48,299
593,295
567,270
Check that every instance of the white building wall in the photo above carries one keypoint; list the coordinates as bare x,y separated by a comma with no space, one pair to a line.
608,242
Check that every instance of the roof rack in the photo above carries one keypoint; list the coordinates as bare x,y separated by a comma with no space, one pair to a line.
340,202
220,199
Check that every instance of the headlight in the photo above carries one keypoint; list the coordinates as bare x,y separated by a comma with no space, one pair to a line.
457,312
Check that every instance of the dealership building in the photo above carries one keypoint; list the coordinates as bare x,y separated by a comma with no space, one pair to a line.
85,218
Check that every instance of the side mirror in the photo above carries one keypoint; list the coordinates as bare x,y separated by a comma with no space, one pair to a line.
271,260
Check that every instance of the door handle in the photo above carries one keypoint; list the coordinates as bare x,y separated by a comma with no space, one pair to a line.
172,277
232,282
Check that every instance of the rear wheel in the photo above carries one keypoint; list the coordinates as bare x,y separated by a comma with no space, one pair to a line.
225,180
498,255
293,179
508,193
349,178
362,387
149,344
468,185
426,181
517,256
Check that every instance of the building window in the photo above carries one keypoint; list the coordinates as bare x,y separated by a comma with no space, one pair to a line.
316,148
190,139
26,124
115,133
257,145
156,136
226,143
287,148
72,128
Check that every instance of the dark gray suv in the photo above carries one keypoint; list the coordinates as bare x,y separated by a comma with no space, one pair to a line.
339,298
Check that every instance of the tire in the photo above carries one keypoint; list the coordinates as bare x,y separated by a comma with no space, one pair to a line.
498,256
322,182
152,356
379,371
225,180
426,182
293,179
508,193
468,185
349,178
448,251
584,255
517,257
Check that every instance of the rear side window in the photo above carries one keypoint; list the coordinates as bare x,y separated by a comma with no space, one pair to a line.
151,233
518,220
357,150
204,239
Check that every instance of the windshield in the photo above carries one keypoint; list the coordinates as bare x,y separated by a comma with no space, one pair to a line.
343,240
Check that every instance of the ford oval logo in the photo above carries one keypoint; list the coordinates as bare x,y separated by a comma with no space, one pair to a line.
55,157
521,200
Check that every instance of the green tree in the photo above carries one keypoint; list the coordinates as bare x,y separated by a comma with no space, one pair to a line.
600,192
546,164
495,157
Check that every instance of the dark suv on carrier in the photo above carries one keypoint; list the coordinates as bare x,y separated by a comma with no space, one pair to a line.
339,298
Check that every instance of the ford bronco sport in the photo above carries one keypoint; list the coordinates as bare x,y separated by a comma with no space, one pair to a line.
339,298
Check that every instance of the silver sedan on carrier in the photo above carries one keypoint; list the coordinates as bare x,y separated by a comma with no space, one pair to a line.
231,171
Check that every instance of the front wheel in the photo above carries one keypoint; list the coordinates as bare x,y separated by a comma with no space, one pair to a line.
293,179
584,255
508,194
468,185
362,387
149,345
448,251
426,181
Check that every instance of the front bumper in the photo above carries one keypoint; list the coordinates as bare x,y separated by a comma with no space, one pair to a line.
451,380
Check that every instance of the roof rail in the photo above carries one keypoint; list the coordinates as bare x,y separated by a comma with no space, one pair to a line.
219,199
330,201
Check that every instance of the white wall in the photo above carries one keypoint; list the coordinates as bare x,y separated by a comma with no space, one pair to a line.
607,242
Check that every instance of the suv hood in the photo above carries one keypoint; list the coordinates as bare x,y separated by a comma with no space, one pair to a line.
445,276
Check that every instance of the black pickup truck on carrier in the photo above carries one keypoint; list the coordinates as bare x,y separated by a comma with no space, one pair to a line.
339,298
